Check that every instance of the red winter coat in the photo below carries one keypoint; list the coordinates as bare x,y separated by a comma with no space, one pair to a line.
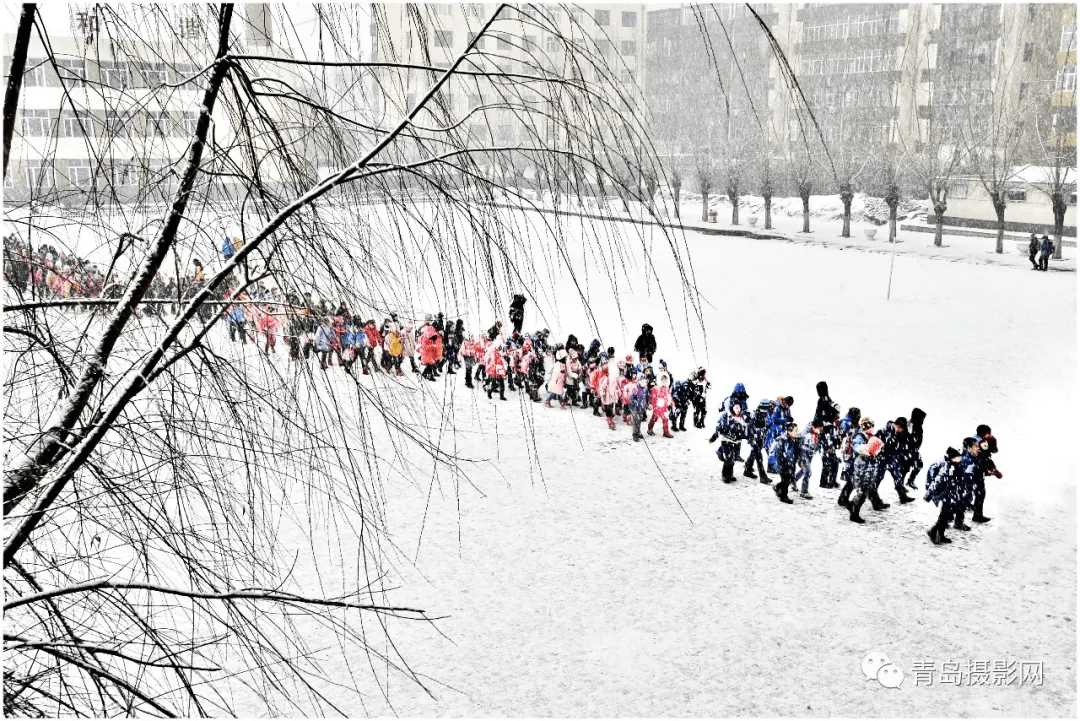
557,382
661,399
608,388
494,365
429,349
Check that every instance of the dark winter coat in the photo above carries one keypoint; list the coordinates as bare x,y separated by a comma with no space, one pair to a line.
784,452
639,400
895,448
968,473
517,309
757,427
646,344
942,483
493,332
738,395
830,438
809,444
865,465
1033,247
731,428
697,392
681,393
779,417
1046,248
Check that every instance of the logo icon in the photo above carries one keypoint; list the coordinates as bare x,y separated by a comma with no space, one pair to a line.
877,667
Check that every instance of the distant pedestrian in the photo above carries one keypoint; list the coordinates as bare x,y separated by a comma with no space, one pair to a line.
1045,250
1033,250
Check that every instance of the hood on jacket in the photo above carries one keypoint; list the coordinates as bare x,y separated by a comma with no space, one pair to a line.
740,390
822,389
918,415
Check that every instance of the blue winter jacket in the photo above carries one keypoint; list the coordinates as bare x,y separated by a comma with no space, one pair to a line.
730,429
681,393
784,453
322,337
639,400
808,445
942,484
738,395
227,248
348,339
779,417
757,426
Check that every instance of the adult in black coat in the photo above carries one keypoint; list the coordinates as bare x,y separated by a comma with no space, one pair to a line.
517,311
645,346
493,331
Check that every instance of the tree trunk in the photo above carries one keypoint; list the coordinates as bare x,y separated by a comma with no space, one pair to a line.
1057,200
806,213
677,187
846,196
999,208
939,212
768,212
733,196
892,222
704,202
18,67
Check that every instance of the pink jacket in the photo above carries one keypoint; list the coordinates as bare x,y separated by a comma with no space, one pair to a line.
608,388
557,382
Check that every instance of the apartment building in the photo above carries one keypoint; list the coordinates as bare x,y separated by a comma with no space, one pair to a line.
108,108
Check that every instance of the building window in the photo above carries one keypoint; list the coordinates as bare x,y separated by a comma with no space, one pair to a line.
576,16
72,71
188,122
117,125
1066,79
474,10
629,19
444,38
116,75
1068,37
504,134
124,176
551,43
35,123
443,8
554,13
474,101
628,47
503,44
153,74
76,124
626,76
79,174
158,124
1072,198
1016,195
479,45
958,191
40,175
602,17
34,75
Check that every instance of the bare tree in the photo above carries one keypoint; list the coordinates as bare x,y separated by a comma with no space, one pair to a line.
149,468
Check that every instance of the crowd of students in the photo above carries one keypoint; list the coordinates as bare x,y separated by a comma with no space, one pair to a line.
862,456
611,385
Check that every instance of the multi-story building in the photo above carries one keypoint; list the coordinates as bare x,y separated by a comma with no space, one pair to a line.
1063,100
608,40
110,108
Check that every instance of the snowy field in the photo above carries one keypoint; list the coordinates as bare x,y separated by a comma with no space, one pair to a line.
581,574
577,573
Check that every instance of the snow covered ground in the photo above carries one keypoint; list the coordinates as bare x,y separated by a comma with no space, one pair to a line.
577,573
581,574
